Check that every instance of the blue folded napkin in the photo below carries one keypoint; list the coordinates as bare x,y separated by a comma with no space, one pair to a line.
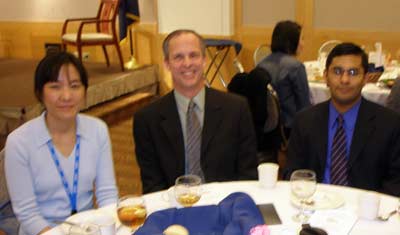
234,215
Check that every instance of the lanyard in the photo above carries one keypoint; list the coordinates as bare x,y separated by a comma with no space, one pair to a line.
71,195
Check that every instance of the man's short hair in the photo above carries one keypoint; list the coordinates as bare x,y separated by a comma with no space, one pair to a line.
285,37
348,48
176,33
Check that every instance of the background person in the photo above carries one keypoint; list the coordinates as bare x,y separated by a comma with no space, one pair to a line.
58,142
225,146
288,75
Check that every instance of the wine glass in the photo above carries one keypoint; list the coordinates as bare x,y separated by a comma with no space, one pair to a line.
303,184
187,190
131,211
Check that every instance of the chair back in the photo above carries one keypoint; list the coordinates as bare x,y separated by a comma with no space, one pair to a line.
325,49
107,13
4,198
260,53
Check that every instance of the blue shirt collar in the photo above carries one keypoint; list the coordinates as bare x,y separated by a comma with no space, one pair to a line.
43,135
350,117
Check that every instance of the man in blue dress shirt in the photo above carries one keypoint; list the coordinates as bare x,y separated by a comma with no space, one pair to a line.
347,140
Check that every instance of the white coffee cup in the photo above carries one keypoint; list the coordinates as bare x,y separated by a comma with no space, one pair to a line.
368,205
268,174
105,222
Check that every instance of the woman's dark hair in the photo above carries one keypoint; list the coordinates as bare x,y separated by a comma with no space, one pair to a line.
49,67
348,48
285,37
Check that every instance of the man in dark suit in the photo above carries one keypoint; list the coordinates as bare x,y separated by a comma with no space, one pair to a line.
227,145
348,140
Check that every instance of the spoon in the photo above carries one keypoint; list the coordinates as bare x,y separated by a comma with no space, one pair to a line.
387,216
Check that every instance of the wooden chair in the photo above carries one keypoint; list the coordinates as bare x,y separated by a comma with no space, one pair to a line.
105,23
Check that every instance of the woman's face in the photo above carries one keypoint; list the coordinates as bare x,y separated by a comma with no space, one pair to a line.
65,97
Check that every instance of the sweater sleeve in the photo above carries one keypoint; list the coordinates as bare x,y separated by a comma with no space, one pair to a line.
106,189
20,185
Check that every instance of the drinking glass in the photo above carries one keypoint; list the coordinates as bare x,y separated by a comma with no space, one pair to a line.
303,185
131,211
187,190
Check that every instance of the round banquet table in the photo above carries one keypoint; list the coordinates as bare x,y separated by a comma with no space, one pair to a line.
213,193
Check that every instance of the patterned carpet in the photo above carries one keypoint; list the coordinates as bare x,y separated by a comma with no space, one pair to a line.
118,115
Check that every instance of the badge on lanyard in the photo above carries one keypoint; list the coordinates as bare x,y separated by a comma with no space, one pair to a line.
72,195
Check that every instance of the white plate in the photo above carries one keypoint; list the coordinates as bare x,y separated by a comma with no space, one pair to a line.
321,200
89,217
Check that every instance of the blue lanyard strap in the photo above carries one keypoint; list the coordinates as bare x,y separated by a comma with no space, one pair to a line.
71,195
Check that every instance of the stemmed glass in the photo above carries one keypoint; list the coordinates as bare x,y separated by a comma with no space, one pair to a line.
303,184
131,211
187,190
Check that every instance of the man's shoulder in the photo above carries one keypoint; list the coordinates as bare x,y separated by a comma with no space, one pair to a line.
313,111
155,105
223,97
380,112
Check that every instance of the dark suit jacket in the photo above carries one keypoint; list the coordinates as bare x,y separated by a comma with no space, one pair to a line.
374,161
228,149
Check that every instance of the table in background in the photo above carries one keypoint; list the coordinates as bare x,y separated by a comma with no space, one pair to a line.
280,197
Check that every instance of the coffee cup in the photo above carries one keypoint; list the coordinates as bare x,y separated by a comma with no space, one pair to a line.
105,222
268,174
368,205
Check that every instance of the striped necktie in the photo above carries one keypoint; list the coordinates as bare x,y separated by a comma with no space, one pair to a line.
193,141
339,166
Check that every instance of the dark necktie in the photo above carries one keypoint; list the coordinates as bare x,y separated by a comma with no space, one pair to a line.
193,141
338,158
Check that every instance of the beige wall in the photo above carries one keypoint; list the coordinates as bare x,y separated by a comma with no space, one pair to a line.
382,15
267,12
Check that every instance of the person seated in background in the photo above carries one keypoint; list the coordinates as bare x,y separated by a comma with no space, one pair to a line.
393,101
193,129
347,140
55,162
288,75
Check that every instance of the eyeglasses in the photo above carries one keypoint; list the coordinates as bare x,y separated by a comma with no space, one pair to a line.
339,71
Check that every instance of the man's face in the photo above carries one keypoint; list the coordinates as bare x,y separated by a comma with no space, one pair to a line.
345,78
186,63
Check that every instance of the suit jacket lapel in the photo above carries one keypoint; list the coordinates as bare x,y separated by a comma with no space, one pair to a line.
171,126
212,119
363,129
321,138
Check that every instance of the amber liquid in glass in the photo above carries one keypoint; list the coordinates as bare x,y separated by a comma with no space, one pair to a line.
188,199
132,216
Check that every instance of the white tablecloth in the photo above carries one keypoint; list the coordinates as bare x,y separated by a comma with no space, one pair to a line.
280,197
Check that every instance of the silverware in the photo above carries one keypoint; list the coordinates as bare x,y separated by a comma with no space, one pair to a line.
387,216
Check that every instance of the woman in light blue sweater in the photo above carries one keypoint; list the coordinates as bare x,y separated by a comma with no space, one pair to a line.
55,162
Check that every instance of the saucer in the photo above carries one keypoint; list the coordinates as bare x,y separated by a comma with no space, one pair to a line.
321,200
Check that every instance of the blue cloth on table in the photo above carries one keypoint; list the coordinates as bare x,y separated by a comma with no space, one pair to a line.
223,43
235,215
